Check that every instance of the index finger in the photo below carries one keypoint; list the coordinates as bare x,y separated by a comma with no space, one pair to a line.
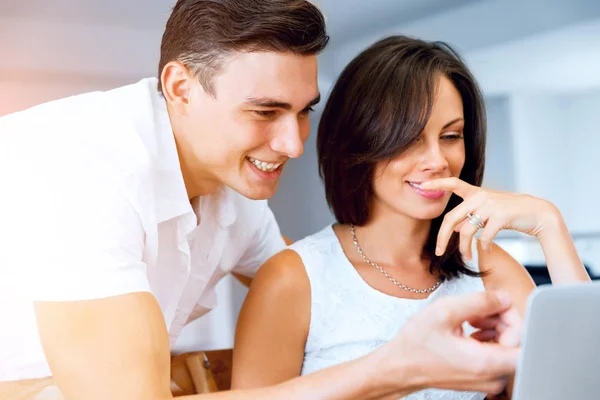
455,185
473,306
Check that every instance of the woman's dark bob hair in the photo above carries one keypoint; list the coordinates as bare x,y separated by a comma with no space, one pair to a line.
379,105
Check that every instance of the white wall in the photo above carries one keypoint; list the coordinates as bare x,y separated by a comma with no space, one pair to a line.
564,59
541,148
500,171
556,147
583,131
42,60
479,25
47,47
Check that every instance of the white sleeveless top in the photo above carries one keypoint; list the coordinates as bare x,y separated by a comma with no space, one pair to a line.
350,319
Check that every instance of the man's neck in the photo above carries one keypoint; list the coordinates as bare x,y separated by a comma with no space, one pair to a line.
197,182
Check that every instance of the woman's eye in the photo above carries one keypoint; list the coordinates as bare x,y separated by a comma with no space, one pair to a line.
452,137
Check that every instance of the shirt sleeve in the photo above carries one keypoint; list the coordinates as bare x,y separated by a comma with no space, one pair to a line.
265,243
74,233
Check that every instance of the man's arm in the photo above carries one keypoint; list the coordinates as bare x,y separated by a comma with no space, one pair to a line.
111,348
117,348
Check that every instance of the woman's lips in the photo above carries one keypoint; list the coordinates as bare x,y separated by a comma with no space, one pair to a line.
428,194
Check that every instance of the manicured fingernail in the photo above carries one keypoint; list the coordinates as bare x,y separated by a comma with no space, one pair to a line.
438,251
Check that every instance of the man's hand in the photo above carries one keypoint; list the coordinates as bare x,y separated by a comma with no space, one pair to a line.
441,356
505,329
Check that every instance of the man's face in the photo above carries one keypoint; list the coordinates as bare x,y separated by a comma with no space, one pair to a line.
257,119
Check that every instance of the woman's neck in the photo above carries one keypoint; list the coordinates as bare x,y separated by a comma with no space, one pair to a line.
394,239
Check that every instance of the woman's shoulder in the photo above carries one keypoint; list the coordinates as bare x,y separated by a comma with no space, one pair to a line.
317,250
282,277
289,269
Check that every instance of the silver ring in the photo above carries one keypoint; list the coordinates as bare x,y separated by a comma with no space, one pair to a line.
476,220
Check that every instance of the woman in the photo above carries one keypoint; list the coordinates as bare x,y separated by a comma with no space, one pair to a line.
400,142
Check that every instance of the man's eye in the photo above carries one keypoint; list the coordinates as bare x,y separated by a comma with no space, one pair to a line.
308,110
264,113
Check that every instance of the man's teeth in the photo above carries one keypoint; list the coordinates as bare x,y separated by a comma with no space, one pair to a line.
417,185
264,166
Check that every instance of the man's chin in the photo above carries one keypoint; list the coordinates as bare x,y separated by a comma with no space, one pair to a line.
256,193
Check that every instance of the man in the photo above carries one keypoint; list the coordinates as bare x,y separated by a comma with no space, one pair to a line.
122,211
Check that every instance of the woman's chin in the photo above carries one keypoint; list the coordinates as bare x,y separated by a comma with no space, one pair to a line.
429,214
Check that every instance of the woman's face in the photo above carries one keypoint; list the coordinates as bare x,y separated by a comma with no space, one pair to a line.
439,152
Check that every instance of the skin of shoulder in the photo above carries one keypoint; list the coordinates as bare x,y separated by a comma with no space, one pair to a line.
273,324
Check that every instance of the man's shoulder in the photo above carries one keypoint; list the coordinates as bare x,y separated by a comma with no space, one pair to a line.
95,108
79,142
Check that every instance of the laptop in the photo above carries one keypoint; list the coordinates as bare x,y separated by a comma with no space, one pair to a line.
560,356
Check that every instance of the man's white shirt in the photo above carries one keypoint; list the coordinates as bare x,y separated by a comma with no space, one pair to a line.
93,205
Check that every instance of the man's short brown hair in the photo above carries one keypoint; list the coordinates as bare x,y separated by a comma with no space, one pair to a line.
201,34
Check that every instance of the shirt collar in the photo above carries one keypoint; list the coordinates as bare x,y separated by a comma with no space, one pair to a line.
169,189
226,213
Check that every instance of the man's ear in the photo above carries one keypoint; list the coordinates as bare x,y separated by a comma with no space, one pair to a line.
176,81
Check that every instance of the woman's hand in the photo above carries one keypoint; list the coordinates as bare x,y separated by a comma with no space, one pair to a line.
491,211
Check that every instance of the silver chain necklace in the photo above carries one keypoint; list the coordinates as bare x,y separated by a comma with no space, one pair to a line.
394,281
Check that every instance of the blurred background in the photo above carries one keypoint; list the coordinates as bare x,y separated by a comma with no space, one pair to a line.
537,61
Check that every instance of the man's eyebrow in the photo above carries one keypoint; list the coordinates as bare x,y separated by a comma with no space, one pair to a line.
314,101
274,103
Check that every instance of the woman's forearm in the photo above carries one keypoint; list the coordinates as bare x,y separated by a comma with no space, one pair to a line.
562,259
